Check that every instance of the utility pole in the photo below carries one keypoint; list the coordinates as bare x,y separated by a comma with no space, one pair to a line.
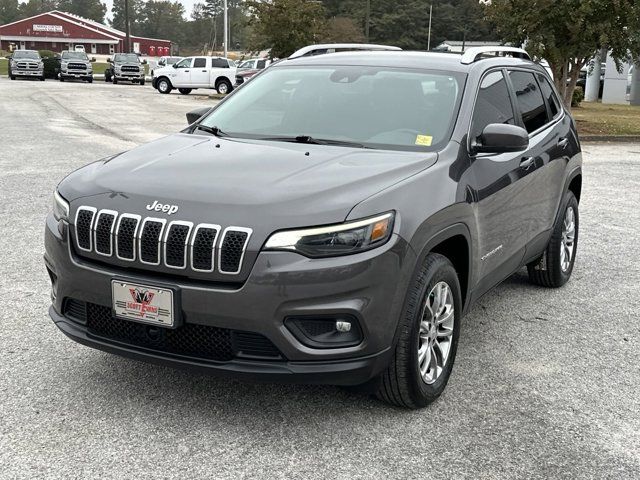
127,27
366,25
226,31
429,37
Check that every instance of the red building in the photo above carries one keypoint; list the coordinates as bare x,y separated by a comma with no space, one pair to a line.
59,31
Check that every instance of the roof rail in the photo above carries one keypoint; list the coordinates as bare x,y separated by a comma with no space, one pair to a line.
474,53
322,48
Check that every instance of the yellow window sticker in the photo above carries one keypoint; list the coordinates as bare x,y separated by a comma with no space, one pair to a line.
424,140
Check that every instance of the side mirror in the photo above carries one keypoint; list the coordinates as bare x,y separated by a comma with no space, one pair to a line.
194,115
144,62
175,65
93,59
109,60
501,138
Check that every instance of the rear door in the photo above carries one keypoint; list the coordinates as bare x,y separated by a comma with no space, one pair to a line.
502,190
539,112
200,72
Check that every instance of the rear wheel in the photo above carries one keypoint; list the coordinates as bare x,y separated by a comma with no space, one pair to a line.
164,86
184,91
553,269
429,330
141,82
223,86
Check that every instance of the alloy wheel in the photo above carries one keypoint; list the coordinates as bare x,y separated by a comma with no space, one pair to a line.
436,332
568,239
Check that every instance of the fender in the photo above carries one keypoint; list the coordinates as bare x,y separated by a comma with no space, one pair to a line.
434,240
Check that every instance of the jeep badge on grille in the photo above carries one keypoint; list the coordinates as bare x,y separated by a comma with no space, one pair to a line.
165,208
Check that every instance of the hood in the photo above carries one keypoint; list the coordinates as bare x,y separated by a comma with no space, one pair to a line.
241,182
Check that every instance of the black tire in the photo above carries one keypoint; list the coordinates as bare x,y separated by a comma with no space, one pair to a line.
12,77
89,80
224,85
402,384
547,271
114,81
61,78
42,78
184,91
164,85
141,82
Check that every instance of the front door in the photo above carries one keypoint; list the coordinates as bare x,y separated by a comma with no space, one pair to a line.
501,187
200,72
181,75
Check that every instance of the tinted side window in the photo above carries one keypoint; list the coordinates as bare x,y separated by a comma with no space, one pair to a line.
549,94
262,64
529,98
186,63
200,63
219,63
493,104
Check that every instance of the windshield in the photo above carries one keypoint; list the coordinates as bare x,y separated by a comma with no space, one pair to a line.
246,64
126,58
74,56
374,107
26,54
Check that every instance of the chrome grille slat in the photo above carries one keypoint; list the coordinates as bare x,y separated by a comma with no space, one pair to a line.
126,233
232,247
103,232
149,241
84,227
203,244
176,244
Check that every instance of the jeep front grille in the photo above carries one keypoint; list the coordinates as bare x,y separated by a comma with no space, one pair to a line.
153,241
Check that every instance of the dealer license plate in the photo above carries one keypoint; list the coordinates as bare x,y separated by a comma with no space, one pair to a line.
143,303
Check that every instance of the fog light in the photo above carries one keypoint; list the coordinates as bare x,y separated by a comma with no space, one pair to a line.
326,331
343,326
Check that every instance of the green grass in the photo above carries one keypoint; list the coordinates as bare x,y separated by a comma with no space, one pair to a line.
604,119
4,65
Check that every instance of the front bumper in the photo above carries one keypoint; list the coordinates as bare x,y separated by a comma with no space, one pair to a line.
129,76
369,286
27,73
80,75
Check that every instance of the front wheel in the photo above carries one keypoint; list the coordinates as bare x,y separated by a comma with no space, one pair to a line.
141,82
164,86
115,81
553,269
42,78
428,340
184,91
223,86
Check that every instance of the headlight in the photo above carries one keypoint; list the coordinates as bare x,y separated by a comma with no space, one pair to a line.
334,240
40,64
60,207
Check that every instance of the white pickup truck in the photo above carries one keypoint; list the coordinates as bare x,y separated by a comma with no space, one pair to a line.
196,72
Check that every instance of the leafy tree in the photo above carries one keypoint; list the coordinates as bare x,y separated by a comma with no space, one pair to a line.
163,19
135,15
343,30
91,9
285,25
35,7
8,11
568,33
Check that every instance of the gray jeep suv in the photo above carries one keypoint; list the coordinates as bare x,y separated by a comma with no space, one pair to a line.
329,222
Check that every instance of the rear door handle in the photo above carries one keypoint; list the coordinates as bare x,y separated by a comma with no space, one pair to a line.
526,162
186,71
563,142
204,71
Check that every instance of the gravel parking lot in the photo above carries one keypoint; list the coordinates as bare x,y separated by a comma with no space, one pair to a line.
546,382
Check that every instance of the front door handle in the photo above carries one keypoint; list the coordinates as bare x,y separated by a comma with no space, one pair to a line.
186,71
526,162
563,142
204,71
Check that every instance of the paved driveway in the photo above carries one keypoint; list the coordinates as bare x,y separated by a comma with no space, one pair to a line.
546,382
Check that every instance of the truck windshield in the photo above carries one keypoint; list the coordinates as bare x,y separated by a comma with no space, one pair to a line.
126,57
374,107
26,54
74,56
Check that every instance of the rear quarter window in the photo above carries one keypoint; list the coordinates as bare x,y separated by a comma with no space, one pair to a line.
550,96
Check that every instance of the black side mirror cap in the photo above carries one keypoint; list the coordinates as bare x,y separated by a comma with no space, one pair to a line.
194,115
501,138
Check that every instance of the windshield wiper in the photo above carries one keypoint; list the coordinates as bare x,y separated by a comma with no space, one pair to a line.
315,141
212,130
